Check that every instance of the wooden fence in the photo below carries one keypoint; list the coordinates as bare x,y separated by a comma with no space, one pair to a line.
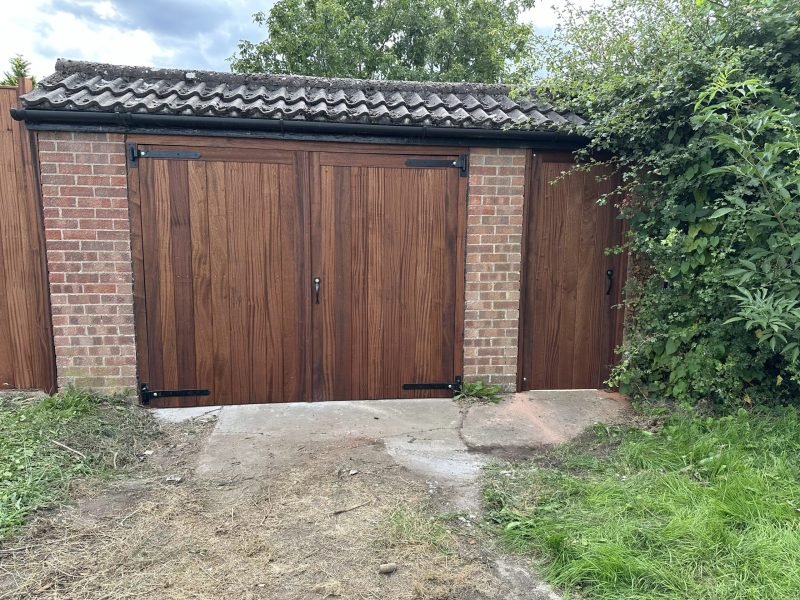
26,342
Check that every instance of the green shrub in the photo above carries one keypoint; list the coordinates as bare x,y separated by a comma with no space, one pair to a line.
698,102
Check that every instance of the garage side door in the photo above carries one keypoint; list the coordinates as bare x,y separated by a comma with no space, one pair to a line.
388,255
224,258
570,324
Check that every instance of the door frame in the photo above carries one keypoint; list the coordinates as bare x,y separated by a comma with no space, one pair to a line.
307,150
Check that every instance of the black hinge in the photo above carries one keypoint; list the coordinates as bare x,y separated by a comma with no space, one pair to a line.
461,163
147,394
455,386
134,154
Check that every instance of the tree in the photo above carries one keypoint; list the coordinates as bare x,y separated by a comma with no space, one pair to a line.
439,40
20,68
699,103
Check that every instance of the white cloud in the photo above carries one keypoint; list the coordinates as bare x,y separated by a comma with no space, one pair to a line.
41,35
105,10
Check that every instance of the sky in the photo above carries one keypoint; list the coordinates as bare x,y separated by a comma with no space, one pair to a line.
196,34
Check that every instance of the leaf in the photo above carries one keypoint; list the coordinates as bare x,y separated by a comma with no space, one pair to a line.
671,346
720,212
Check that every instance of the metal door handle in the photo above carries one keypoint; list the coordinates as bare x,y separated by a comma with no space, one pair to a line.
610,278
317,283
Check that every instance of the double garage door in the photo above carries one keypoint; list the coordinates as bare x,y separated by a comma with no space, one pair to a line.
275,273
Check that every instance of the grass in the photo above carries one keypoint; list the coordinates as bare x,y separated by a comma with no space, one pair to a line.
478,390
701,508
410,526
47,442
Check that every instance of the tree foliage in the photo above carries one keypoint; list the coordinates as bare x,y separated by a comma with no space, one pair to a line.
439,40
20,68
699,103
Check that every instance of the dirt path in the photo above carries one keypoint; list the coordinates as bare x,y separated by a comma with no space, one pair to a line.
318,529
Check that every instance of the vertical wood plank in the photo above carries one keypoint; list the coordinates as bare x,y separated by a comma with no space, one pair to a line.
427,220
359,317
139,288
588,314
201,278
318,178
241,286
218,238
276,348
395,267
180,236
292,341
40,343
340,344
378,298
152,270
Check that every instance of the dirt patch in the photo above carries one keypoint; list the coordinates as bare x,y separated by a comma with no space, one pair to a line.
319,528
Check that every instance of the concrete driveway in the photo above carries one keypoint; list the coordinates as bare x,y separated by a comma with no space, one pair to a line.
434,446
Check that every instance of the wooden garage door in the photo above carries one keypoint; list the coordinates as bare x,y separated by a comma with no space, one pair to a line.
232,242
570,325
386,256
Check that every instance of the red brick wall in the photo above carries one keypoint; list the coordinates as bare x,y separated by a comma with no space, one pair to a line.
494,238
87,228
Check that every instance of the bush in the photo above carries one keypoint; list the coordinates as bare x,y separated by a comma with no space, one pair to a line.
698,103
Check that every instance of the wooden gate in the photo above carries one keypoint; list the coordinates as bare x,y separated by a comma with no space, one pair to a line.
569,324
276,273
27,359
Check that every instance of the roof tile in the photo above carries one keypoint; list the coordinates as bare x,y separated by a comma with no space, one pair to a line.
98,87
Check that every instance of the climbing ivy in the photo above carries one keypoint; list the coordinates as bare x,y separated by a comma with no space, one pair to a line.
698,103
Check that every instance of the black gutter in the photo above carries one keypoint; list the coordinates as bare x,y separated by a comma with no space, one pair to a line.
69,119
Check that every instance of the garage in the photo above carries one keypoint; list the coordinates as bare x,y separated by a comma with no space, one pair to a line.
218,238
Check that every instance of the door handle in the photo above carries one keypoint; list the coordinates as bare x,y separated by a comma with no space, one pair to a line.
610,278
317,284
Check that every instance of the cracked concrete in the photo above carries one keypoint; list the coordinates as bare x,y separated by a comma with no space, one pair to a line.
436,440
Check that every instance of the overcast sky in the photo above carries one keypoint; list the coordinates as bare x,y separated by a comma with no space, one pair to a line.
197,34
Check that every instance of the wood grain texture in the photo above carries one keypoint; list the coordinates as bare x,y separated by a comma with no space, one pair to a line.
27,357
569,324
223,246
387,253
232,247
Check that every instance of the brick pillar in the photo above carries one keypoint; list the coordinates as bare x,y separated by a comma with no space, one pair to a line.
494,238
87,228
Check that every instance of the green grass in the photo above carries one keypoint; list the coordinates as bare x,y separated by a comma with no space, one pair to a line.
703,508
47,442
409,526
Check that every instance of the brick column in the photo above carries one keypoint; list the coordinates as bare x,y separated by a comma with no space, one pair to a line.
87,228
494,237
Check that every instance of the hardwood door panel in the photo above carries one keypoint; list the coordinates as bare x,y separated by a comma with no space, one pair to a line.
569,324
224,263
387,260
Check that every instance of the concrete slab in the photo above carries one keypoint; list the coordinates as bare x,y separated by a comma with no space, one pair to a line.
535,419
179,415
331,420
